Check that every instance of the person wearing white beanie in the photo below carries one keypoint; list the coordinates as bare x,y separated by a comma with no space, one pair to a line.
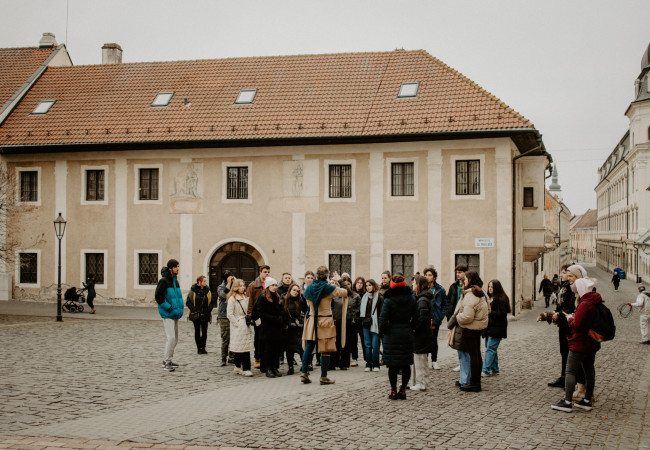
268,309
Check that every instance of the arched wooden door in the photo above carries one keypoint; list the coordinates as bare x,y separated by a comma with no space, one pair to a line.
241,264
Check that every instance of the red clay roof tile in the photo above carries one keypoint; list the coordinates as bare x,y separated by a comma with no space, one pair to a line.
16,66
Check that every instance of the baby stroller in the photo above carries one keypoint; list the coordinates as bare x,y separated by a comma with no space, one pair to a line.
73,300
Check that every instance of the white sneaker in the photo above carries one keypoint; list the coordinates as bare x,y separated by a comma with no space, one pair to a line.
418,387
248,373
435,365
354,363
238,371
367,369
457,368
376,369
430,364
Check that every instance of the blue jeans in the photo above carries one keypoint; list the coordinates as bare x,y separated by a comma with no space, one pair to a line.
463,358
306,359
371,348
491,364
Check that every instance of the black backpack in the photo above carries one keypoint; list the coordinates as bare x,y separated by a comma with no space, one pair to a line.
602,328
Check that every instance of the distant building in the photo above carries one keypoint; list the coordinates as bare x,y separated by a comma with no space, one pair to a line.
583,237
623,238
359,161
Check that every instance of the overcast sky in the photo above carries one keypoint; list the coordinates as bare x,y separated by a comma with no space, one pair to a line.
568,66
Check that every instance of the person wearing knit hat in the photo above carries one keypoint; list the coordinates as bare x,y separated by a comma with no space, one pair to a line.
582,348
268,309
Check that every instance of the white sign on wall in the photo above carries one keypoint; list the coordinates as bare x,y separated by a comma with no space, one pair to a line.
484,242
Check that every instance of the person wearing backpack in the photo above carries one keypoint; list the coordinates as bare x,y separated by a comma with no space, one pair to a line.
582,347
643,303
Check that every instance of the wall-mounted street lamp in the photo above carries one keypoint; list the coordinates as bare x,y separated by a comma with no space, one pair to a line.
59,229
557,240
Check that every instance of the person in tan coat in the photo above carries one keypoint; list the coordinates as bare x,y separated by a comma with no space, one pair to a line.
473,312
319,332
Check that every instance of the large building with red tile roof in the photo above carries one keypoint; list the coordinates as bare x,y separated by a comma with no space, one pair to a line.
359,161
583,237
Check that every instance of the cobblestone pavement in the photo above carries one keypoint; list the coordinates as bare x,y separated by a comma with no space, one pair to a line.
99,383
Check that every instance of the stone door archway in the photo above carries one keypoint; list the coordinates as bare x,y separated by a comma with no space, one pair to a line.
240,258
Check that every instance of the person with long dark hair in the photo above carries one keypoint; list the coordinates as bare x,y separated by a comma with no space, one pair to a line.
268,309
398,318
359,287
497,326
294,305
472,316
423,335
566,305
371,306
199,302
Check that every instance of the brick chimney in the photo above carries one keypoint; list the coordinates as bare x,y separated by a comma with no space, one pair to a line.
111,54
48,40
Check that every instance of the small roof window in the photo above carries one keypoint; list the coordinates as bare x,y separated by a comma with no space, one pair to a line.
43,107
246,96
408,89
162,99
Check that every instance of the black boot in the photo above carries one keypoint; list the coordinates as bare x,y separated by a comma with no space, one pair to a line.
290,371
223,362
269,373
559,383
277,373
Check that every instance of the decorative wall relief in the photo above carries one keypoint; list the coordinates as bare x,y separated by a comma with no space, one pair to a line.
186,188
301,185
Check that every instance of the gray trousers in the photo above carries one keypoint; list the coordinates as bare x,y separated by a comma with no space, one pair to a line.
171,330
224,328
573,364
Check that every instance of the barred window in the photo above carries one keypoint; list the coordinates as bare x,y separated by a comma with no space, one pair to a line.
340,263
472,261
402,179
237,183
149,184
341,181
94,185
29,186
402,263
468,177
29,268
95,266
529,198
147,268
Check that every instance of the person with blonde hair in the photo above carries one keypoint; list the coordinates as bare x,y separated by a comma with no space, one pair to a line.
241,331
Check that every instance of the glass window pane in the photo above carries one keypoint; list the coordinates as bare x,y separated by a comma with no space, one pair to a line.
246,96
162,99
148,268
95,266
43,107
408,90
28,268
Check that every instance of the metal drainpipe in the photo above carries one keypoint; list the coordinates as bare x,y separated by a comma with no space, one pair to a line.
513,300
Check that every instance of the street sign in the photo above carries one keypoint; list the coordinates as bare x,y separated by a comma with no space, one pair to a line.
484,242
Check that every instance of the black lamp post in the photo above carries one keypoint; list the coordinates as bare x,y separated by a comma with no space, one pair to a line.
59,229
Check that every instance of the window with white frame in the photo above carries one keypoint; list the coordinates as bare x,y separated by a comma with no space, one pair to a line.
402,179
148,263
468,177
28,268
148,184
149,179
94,262
340,181
404,263
237,183
340,263
473,261
28,182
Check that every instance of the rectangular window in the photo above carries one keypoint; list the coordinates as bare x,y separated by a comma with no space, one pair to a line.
529,199
29,186
95,266
340,181
28,268
148,184
468,180
94,186
402,263
148,268
473,262
402,179
237,183
340,263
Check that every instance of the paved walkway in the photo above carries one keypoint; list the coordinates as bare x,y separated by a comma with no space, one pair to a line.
98,384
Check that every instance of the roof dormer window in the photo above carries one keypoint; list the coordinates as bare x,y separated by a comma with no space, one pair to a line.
246,96
162,99
43,107
410,89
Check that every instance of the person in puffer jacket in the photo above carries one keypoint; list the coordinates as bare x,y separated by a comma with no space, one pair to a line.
170,307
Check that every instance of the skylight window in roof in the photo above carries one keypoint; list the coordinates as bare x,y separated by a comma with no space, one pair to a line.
246,96
43,107
408,89
162,99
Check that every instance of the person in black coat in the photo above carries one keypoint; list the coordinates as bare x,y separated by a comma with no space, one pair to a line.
199,302
399,316
455,291
89,286
546,288
497,328
294,305
269,310
566,304
423,335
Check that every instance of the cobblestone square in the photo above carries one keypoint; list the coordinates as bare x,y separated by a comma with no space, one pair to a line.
99,384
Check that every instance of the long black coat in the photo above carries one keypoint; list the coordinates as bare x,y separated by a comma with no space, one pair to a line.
399,316
498,319
200,299
423,337
272,316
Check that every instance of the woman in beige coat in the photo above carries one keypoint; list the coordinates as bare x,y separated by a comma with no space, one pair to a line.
472,316
241,334
319,333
